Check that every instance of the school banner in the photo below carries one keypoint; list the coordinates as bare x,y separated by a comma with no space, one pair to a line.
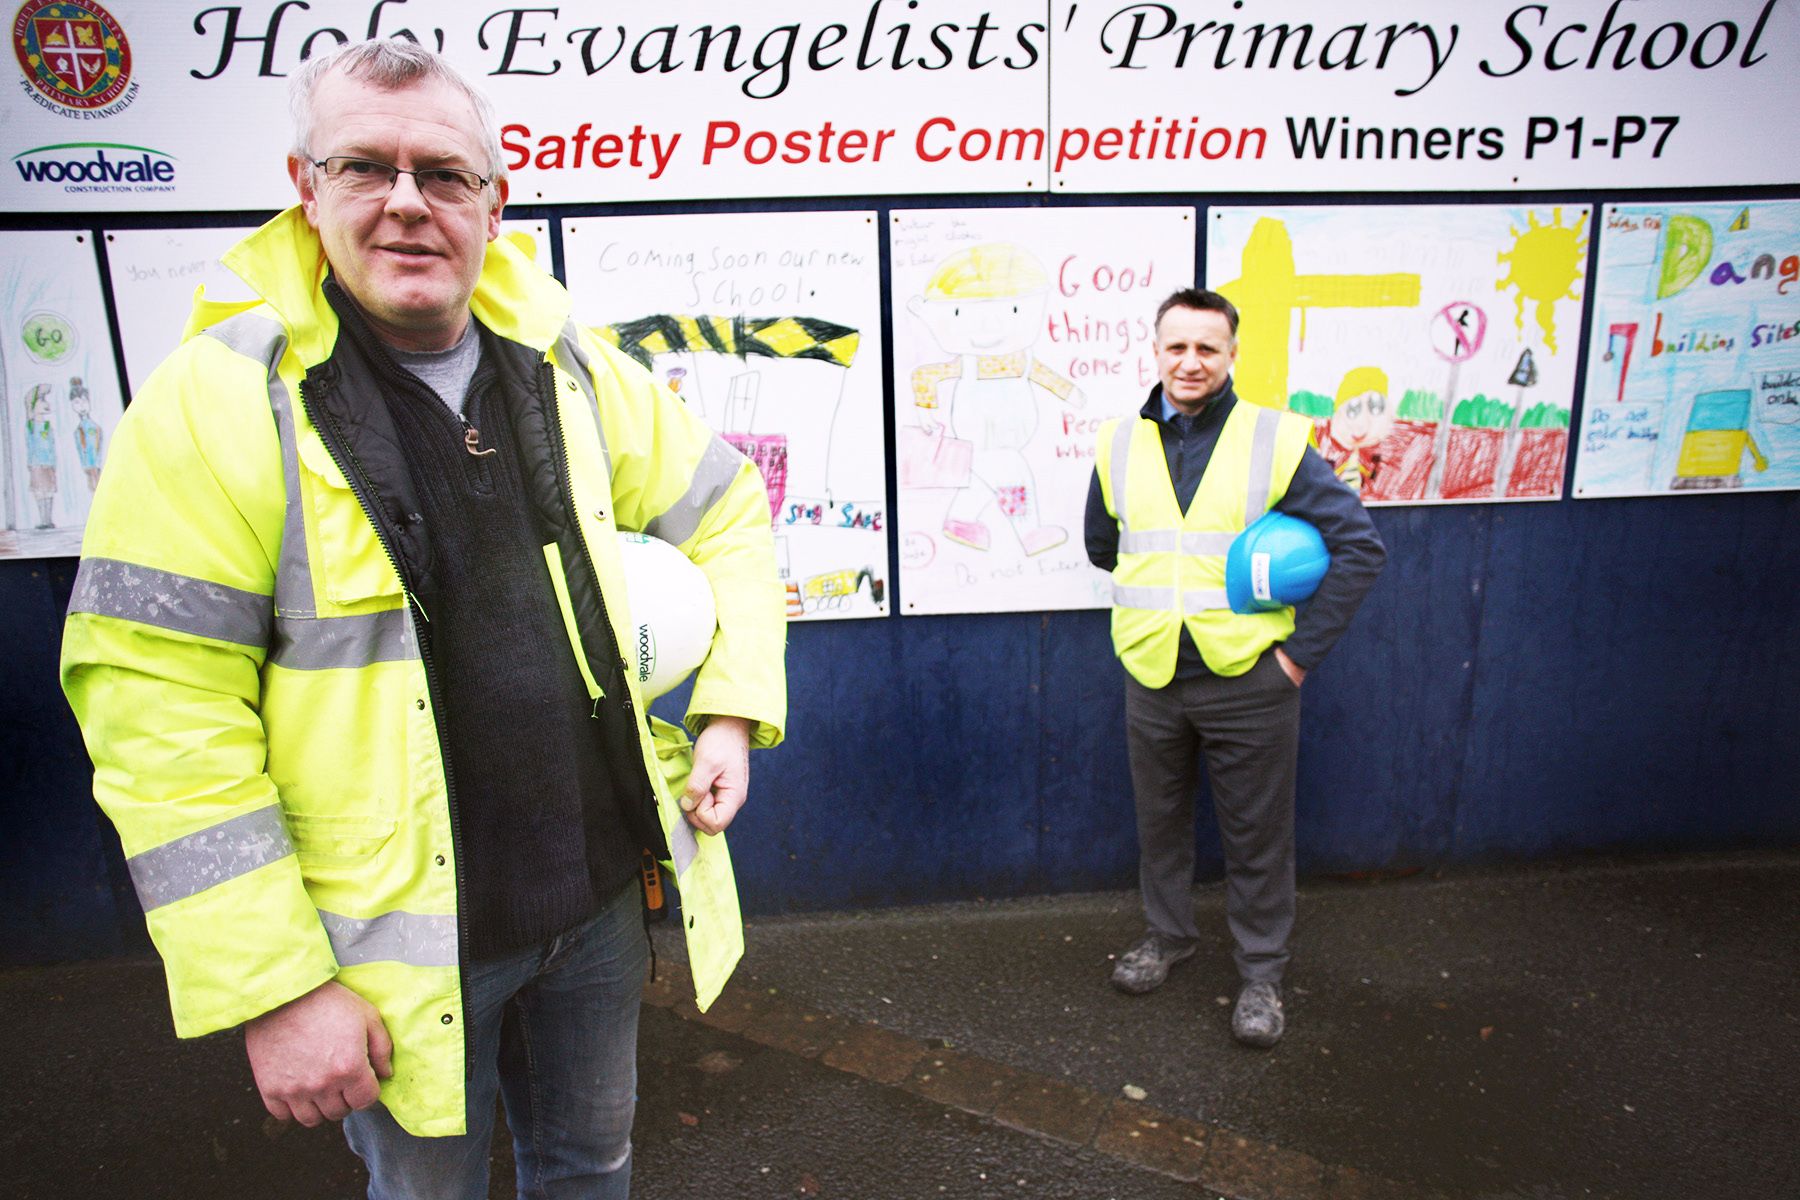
1421,95
180,105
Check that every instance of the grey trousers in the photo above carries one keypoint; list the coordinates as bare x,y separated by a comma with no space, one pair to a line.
1248,728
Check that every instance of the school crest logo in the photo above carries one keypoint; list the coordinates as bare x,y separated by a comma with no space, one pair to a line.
74,56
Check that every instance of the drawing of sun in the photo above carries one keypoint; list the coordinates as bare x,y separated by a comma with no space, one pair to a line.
1547,260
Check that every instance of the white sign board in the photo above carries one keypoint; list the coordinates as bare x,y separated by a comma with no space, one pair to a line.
769,326
59,391
1419,95
817,98
797,97
1016,333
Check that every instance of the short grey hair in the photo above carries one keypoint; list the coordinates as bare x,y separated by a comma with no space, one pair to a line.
389,64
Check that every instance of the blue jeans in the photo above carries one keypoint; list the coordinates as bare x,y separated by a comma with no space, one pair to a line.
552,1030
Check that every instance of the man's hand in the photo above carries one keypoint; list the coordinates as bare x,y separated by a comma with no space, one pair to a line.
721,776
317,1057
1289,667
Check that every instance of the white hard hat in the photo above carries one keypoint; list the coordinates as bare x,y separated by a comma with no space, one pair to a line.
671,609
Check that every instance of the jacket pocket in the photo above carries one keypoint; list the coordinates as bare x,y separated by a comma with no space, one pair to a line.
352,564
323,839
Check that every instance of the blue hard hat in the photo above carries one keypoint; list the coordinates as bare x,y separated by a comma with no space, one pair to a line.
1277,561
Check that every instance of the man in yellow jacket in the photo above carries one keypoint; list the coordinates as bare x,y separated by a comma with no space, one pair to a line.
1173,486
345,647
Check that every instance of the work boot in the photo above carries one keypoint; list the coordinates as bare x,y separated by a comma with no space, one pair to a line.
1257,1020
1144,967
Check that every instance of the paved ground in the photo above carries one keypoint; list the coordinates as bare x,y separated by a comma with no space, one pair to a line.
1607,1030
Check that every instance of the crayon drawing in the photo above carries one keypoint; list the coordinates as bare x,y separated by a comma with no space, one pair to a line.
157,275
59,391
1433,347
1693,380
1017,333
768,325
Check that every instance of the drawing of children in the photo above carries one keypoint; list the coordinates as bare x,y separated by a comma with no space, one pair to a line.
1362,417
985,306
88,434
40,453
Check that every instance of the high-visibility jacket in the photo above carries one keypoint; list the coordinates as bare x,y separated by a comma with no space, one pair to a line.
244,657
1171,567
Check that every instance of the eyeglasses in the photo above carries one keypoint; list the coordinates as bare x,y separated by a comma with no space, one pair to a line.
439,185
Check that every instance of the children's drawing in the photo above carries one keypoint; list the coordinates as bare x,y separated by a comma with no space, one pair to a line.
1362,418
59,391
767,326
90,439
985,308
1027,329
1382,324
532,236
156,276
1694,369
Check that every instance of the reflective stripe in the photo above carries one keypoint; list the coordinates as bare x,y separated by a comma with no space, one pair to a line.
416,939
265,341
1121,467
300,639
1153,598
107,587
1204,600
189,865
1148,541
713,476
326,643
684,847
1207,543
580,366
1262,461
1167,541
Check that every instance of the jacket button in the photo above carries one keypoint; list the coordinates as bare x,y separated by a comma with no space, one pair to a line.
448,1019
421,704
440,860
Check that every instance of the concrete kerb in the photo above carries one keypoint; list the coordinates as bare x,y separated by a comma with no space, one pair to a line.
1220,1162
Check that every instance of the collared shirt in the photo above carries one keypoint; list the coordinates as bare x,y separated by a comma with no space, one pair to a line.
1315,495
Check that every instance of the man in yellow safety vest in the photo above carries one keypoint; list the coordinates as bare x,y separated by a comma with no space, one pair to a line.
1172,487
345,646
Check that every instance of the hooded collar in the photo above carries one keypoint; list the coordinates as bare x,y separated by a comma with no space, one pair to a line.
284,263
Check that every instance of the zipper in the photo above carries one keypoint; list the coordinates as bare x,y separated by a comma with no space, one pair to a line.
547,385
472,438
360,487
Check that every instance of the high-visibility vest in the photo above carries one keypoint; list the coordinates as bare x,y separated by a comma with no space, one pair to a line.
1171,567
248,674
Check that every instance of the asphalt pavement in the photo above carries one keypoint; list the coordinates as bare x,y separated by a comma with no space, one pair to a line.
1611,1029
